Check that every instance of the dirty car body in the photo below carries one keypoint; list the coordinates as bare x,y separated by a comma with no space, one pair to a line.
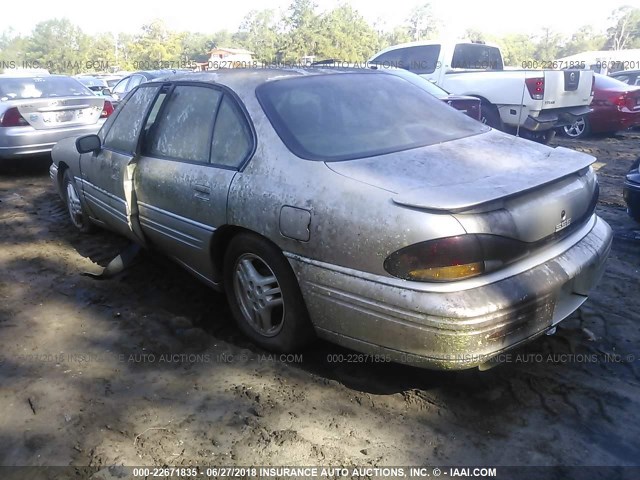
347,204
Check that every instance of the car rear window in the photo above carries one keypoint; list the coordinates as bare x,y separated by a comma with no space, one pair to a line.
476,56
356,115
40,87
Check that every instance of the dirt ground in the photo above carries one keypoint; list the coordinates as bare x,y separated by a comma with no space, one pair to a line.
148,368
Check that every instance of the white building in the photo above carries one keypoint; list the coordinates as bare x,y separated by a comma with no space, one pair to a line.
230,58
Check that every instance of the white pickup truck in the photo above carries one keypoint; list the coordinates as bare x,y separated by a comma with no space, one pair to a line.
531,102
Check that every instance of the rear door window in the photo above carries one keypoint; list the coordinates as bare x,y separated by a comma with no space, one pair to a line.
476,56
232,138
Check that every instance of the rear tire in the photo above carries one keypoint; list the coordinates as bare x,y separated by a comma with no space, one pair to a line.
77,214
540,137
578,129
489,116
264,295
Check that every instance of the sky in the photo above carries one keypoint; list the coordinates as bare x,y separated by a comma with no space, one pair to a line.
492,16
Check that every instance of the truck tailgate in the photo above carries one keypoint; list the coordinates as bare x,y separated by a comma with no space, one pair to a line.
567,88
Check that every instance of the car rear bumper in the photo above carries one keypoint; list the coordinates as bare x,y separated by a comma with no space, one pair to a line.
559,117
18,142
453,329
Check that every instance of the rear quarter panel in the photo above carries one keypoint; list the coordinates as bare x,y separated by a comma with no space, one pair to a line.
352,224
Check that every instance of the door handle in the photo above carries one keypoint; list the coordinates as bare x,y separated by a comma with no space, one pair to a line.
201,191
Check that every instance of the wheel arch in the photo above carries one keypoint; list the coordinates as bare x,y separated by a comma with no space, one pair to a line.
222,237
62,167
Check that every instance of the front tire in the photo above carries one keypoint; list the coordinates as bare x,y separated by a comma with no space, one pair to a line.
77,213
264,295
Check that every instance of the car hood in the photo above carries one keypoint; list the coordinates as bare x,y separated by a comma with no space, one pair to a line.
465,173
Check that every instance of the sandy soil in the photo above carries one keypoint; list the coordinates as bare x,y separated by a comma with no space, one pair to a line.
148,369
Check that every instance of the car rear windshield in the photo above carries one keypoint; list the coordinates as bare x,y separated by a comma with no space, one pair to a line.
476,56
16,88
355,115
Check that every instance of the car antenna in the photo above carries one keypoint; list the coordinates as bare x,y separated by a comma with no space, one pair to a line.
524,85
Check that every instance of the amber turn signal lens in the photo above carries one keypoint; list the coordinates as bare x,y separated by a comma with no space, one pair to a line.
444,274
454,258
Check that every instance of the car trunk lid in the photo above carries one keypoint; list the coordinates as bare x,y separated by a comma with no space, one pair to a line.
539,190
47,113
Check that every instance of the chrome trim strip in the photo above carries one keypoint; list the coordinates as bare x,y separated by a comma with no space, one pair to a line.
197,274
101,190
178,217
102,205
170,233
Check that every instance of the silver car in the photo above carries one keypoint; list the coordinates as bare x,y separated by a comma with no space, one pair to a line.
37,111
347,204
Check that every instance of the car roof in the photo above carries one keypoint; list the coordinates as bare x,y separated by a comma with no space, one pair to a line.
238,78
90,79
154,73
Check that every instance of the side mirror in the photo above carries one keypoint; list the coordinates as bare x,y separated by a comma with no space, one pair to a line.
88,143
106,91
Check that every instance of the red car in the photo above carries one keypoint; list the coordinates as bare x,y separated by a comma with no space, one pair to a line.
616,106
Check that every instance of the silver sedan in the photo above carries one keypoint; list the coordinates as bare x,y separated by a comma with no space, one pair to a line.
37,111
347,204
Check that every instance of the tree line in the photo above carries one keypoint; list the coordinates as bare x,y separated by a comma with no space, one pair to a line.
278,37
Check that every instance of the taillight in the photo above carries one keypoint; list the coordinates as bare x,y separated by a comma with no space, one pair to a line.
454,258
107,109
12,118
593,85
619,101
626,100
535,87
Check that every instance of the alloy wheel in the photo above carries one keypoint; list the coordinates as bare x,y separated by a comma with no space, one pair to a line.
576,129
259,294
74,206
